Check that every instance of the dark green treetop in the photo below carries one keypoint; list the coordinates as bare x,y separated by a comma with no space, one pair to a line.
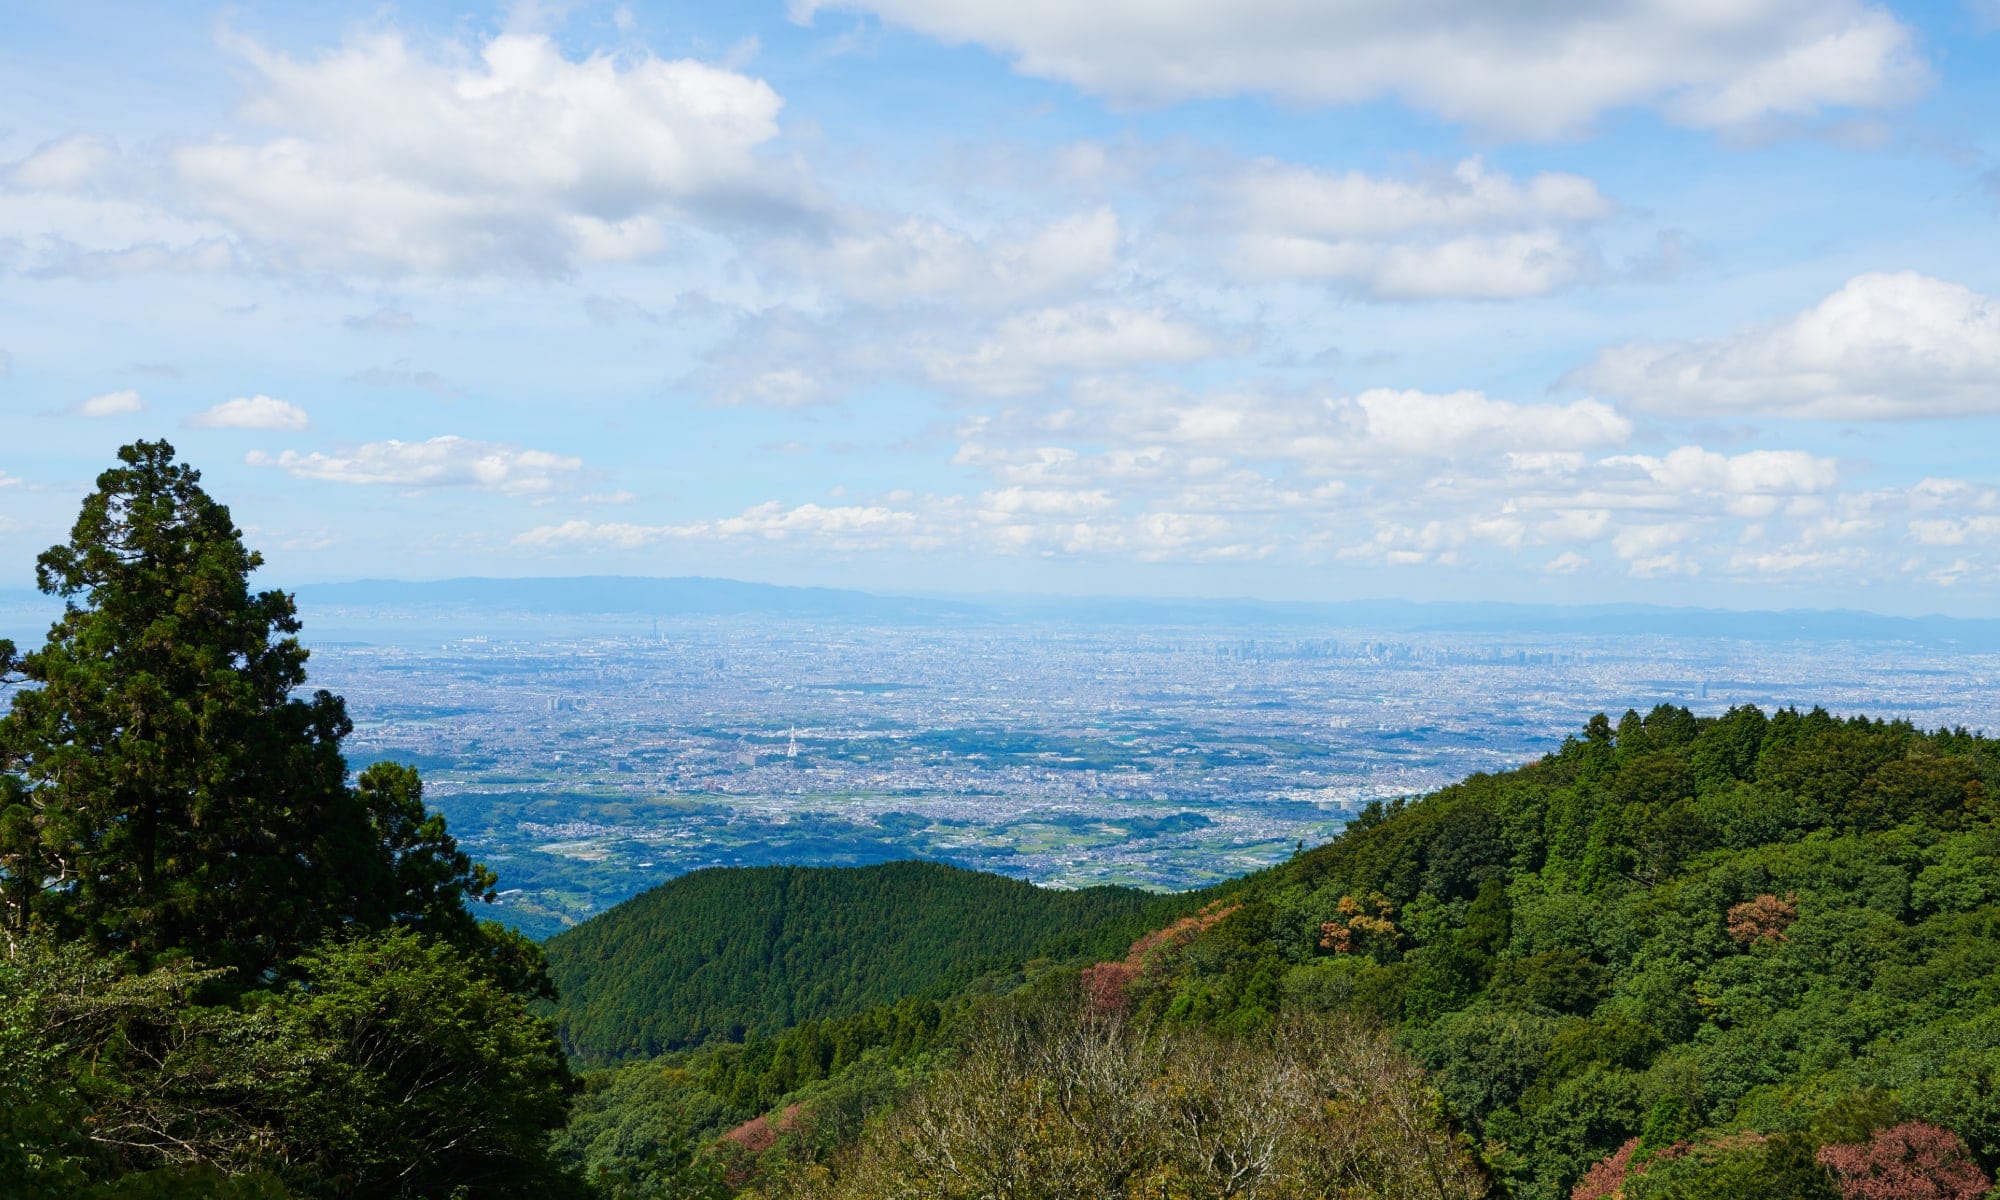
165,787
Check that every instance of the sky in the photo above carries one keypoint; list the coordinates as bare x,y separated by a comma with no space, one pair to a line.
1669,301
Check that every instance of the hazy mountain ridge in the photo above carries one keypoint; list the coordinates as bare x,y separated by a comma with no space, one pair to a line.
700,596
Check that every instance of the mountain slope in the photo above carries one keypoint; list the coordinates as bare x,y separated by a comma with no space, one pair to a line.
1675,930
719,954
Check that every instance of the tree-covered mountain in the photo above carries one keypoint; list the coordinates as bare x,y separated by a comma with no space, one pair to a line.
720,954
1681,957
1690,957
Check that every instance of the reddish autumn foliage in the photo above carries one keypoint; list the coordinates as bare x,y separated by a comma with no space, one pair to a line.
1107,986
1911,1161
1607,1175
1178,934
1764,919
759,1134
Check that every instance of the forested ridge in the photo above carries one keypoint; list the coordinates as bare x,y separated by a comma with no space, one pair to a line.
1682,956
721,954
1697,957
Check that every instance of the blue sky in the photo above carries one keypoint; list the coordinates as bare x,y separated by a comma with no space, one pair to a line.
1669,302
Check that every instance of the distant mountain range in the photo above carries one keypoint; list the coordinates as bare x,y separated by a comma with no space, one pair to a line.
22,612
589,594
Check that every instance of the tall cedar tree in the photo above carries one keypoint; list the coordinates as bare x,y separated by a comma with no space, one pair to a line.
164,787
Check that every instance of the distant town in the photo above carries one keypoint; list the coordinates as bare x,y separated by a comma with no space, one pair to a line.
587,758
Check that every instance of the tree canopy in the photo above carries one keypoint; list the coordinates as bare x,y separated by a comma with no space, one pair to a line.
167,787
230,971
722,953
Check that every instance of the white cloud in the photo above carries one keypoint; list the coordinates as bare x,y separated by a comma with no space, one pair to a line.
841,526
252,412
1379,430
1425,424
1536,70
923,259
1009,502
1024,350
1354,204
1641,541
1883,346
1575,525
1466,233
440,462
1753,473
67,165
1474,267
514,157
1955,531
110,404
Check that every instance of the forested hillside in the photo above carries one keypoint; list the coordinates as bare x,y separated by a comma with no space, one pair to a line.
1701,958
721,954
1683,956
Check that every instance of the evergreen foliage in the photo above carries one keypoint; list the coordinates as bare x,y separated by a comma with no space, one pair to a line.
1673,930
722,954
227,972
166,789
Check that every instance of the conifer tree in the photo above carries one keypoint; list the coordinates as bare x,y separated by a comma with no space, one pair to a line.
166,788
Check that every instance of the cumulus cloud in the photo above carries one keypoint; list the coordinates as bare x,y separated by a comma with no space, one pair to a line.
1949,532
841,526
1884,346
1151,432
440,462
1470,232
66,165
110,404
1500,267
1408,478
1470,196
1024,350
1755,482
252,412
1537,71
514,157
1006,522
1425,424
921,258
1771,516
